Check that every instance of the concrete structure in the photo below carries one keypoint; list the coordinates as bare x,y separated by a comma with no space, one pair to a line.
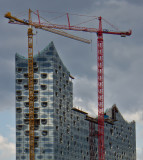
63,132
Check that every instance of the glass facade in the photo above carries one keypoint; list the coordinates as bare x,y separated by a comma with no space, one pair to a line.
61,131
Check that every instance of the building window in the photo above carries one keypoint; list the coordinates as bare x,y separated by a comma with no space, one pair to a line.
36,110
43,75
44,104
26,104
18,110
18,93
26,133
35,81
19,98
26,75
35,70
34,64
43,87
44,121
19,69
19,81
44,133
26,87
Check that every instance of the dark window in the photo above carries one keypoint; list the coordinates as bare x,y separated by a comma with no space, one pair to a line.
44,104
36,110
19,69
18,110
26,87
35,81
43,87
19,81
26,115
49,53
19,127
26,121
36,138
44,133
35,144
36,127
26,104
18,93
34,64
43,75
35,70
43,121
35,98
26,75
19,98
35,92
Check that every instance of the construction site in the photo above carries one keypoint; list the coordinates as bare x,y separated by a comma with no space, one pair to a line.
48,126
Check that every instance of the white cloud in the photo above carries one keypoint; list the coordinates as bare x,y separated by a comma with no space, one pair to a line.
7,149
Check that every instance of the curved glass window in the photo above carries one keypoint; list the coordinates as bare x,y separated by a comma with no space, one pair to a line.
19,98
36,105
36,127
41,59
18,76
44,121
18,87
18,110
18,93
19,81
51,48
18,145
18,150
35,144
35,81
22,65
49,53
43,75
44,116
26,121
36,110
44,99
46,70
26,115
23,157
44,104
26,75
46,65
26,104
35,98
35,70
19,69
18,133
26,150
48,150
26,93
40,157
19,127
26,87
26,133
34,64
47,93
44,133
43,87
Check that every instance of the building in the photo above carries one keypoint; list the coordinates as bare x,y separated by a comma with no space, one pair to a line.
63,132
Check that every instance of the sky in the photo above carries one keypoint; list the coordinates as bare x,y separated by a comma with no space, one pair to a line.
123,58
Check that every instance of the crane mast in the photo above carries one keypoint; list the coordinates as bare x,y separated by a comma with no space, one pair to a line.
100,71
100,77
31,90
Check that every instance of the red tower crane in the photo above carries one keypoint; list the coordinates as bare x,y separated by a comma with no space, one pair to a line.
100,62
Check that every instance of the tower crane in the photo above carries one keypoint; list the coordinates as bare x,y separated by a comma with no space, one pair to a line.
100,65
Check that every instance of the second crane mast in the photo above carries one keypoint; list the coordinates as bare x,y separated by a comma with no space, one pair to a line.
100,71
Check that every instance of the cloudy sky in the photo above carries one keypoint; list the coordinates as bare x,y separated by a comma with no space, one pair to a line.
123,59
